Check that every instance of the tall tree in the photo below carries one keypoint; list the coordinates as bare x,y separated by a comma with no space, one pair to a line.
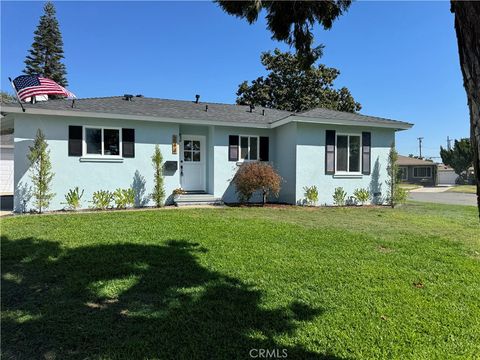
289,86
290,21
460,158
467,26
47,49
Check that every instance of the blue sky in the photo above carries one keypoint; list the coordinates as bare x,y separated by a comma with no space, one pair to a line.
399,59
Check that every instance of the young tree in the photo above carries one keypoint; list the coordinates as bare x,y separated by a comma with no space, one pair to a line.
158,194
467,26
289,86
460,158
41,171
396,194
47,49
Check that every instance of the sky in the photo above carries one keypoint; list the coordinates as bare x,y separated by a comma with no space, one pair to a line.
399,59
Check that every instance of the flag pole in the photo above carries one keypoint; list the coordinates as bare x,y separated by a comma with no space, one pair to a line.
16,93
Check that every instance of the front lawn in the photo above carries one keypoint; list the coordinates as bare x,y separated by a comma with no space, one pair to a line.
469,189
336,283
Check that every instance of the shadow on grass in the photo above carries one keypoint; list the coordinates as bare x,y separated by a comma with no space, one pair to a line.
133,301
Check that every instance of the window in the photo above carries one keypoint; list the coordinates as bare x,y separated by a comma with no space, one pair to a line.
248,148
102,141
404,172
191,150
348,153
422,172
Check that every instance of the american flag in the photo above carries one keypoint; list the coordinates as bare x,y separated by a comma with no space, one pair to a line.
33,85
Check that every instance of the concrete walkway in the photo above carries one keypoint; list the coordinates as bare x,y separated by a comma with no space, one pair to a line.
440,196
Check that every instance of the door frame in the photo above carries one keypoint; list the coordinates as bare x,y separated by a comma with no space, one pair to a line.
203,161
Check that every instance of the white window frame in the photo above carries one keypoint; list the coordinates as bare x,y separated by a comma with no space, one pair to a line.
404,170
423,177
348,154
248,150
102,155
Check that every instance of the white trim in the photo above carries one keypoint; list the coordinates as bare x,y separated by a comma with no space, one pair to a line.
422,177
202,162
359,172
102,128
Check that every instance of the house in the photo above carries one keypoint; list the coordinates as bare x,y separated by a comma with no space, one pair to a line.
446,175
417,171
107,143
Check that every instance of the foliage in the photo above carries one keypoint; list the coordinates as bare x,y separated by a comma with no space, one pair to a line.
158,194
47,49
288,86
124,198
178,191
6,97
362,195
396,194
256,176
290,21
459,158
311,194
41,172
73,198
101,199
339,196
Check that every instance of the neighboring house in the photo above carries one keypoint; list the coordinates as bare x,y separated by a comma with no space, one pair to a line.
446,175
6,164
107,143
417,171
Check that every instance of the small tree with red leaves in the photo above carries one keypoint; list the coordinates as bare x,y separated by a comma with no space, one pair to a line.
256,176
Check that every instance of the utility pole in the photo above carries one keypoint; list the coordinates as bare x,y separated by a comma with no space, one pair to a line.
448,143
420,145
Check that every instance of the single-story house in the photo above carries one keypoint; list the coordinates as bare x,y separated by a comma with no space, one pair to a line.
107,143
417,171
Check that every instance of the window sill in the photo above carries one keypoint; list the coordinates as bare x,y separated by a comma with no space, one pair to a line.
101,159
347,176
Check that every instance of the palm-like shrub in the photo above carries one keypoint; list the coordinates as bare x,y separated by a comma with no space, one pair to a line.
311,194
362,195
256,176
73,198
339,196
124,198
101,199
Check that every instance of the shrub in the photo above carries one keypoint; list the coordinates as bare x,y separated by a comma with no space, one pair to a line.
73,198
339,196
124,198
256,176
362,195
311,194
101,199
158,194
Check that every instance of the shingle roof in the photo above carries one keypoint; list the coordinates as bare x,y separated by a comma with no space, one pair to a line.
406,160
189,110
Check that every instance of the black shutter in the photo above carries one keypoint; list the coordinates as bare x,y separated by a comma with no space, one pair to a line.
128,143
74,140
263,148
366,152
233,148
330,152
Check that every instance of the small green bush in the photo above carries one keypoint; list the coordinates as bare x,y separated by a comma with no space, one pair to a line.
124,198
311,194
339,196
101,199
73,199
362,195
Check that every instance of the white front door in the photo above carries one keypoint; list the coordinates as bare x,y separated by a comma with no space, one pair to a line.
192,162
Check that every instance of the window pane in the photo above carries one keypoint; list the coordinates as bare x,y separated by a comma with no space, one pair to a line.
93,140
187,156
342,153
196,145
111,142
354,161
187,145
244,147
253,148
196,156
429,172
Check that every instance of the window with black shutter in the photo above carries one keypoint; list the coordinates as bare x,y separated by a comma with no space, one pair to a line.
366,152
233,148
74,140
264,144
128,143
330,152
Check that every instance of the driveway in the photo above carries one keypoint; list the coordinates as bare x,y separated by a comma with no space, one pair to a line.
440,196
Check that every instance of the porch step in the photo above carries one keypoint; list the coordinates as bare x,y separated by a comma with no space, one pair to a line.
197,199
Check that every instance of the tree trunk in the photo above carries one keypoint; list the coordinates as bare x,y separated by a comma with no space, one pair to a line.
467,26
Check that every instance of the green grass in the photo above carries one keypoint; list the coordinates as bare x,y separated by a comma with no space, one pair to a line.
409,187
470,189
329,283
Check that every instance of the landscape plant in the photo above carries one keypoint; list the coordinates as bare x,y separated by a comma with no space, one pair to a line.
158,194
41,172
396,194
73,198
311,194
339,196
362,195
101,199
257,176
124,198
